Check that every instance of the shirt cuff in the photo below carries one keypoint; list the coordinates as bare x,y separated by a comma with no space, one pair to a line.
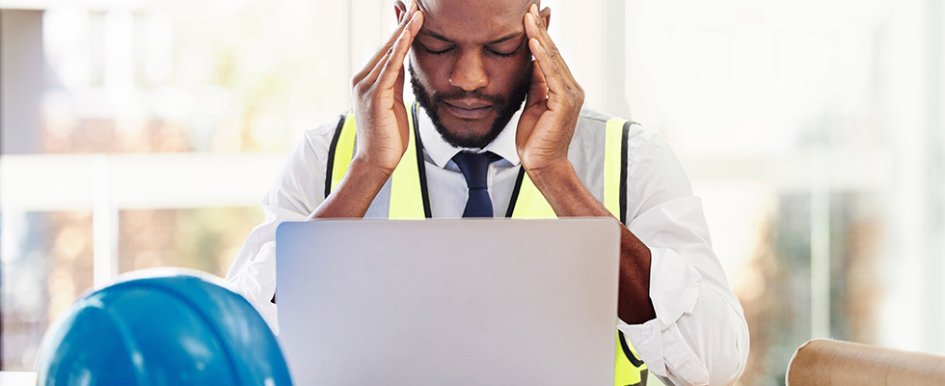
674,285
674,290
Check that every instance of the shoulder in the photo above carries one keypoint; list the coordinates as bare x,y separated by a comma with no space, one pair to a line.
592,123
654,172
593,120
301,183
319,138
652,166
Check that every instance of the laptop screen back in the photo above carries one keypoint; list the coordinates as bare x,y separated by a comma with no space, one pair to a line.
459,302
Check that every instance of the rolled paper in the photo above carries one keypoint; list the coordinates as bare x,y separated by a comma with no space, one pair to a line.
826,362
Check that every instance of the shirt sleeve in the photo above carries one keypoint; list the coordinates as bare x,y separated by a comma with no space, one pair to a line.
699,335
298,190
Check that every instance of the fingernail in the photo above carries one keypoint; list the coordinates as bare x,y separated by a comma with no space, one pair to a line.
534,9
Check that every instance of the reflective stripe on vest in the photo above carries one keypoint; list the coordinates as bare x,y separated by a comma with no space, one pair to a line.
409,200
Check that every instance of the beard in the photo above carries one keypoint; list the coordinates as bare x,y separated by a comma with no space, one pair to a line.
505,107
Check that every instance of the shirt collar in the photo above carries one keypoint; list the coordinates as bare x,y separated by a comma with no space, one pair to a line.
442,152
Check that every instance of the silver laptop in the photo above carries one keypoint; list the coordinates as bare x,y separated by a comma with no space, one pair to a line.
448,302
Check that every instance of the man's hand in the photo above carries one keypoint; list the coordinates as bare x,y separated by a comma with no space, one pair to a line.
382,125
553,104
379,99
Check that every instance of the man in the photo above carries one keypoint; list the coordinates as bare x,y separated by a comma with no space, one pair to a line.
472,66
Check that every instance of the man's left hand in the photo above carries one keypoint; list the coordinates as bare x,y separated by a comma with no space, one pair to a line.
553,104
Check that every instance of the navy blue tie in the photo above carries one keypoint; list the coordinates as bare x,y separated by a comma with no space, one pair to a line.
475,167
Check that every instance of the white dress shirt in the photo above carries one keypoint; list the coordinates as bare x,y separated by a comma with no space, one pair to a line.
699,335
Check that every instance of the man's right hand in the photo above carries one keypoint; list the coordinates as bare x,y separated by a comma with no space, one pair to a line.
382,133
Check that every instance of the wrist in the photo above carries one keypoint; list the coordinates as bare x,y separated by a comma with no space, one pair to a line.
564,190
353,196
552,173
365,169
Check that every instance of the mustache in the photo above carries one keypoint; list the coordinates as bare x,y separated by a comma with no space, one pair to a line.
494,100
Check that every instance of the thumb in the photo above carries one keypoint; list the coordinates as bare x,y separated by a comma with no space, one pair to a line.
537,87
535,105
399,86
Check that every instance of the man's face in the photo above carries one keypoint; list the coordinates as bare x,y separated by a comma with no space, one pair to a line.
470,67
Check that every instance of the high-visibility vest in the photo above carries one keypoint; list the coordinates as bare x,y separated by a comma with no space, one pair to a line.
409,200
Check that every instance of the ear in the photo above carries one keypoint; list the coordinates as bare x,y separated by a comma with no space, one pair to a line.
546,14
400,10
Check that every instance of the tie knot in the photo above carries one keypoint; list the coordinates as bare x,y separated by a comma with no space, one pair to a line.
475,167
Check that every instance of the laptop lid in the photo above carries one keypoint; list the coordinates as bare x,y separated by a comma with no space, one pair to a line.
459,302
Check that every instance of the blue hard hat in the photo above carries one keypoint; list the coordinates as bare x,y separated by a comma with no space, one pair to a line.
173,328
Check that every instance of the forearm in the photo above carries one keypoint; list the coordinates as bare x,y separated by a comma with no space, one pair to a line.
569,197
353,196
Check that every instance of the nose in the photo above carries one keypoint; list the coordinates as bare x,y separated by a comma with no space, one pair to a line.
469,72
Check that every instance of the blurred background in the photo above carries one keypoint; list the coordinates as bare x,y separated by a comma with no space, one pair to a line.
143,133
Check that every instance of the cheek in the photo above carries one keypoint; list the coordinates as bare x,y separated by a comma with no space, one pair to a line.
507,73
432,70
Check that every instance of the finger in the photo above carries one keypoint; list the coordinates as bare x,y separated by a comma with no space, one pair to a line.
371,77
550,70
395,64
535,104
393,36
543,36
399,86
376,72
537,88
385,49
534,27
378,57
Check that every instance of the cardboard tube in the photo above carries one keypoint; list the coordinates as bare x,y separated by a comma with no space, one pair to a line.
825,362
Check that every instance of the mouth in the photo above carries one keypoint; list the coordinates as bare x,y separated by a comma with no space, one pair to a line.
468,109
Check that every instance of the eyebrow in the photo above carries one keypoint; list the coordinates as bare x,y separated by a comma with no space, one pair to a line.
505,38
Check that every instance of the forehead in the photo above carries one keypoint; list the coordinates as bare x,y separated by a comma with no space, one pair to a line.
476,21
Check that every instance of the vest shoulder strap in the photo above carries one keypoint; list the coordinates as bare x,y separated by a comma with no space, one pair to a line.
340,152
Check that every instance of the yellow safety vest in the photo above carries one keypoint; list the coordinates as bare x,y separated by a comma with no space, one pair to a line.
409,200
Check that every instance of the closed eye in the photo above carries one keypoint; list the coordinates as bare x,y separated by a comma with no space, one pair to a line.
505,54
438,52
489,50
502,54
